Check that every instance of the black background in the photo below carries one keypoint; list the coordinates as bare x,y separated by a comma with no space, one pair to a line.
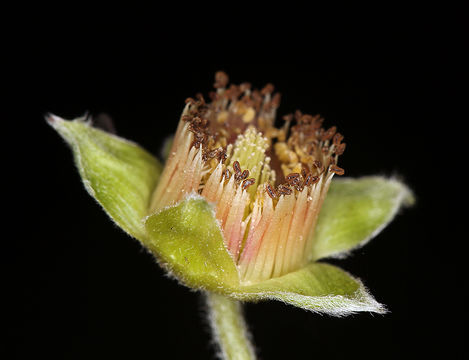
80,288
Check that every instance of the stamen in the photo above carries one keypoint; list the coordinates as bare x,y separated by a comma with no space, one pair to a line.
268,184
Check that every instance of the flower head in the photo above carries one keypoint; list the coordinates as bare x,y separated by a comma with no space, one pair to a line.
267,184
240,207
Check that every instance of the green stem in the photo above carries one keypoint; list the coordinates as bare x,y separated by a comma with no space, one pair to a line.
229,328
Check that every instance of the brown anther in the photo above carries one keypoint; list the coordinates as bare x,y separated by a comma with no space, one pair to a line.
200,122
310,179
339,150
317,121
239,176
327,135
257,99
236,168
191,101
298,115
283,189
200,98
268,89
293,178
244,175
233,92
336,170
248,182
337,139
276,100
317,164
196,143
299,186
304,170
207,155
221,155
271,191
227,174
187,118
221,79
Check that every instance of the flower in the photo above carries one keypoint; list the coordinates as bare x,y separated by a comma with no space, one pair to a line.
240,208
267,187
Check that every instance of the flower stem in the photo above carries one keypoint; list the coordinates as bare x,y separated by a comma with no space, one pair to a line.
229,328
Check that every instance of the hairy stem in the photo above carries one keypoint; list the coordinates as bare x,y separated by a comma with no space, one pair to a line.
229,328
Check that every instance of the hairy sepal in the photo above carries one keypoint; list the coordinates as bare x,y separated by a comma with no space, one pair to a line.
317,287
117,173
187,240
355,211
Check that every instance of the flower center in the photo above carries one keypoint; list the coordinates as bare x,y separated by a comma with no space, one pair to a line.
268,183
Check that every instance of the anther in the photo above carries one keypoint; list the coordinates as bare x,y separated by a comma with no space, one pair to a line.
310,180
248,182
336,170
221,79
304,170
201,99
276,100
244,175
268,89
293,178
271,191
298,115
329,133
299,186
236,167
207,155
221,155
227,174
284,190
337,139
339,150
317,164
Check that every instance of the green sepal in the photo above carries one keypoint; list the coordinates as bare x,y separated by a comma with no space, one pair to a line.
355,211
187,241
318,287
118,173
